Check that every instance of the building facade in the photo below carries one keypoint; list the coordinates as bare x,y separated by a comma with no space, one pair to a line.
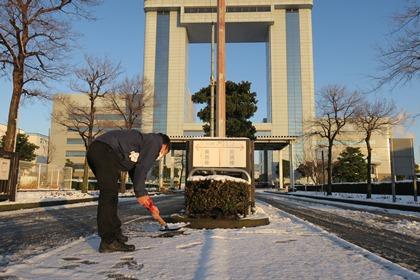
284,26
42,141
381,169
67,146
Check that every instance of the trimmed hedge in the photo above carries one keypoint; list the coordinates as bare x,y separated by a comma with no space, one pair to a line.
217,199
401,188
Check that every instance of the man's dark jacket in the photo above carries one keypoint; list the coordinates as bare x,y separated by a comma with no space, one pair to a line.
126,142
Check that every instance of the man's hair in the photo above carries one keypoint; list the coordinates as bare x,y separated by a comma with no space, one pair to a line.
166,140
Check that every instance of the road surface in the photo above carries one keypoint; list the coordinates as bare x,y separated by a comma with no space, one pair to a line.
29,233
369,229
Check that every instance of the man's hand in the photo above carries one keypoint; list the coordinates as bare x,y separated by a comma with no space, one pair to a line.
147,202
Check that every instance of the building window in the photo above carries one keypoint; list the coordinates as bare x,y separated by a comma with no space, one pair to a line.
74,141
294,87
75,153
229,9
109,117
78,166
161,73
95,129
99,117
294,81
199,10
248,9
192,133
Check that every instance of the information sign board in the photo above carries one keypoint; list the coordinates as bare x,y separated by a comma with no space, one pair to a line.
219,153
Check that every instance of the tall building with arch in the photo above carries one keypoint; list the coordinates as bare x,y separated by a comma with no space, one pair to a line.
285,26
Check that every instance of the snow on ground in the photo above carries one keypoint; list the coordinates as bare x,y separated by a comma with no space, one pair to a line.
41,196
364,214
65,206
383,198
288,248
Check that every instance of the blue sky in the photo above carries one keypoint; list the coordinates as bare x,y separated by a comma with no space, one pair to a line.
345,34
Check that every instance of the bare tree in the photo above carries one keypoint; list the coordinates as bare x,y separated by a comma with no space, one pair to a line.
400,61
34,39
375,117
129,100
95,81
335,106
309,162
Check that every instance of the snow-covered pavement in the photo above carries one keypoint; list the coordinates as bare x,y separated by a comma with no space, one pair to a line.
45,196
288,248
381,198
403,222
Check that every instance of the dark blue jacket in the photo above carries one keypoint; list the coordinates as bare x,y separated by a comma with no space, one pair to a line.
126,142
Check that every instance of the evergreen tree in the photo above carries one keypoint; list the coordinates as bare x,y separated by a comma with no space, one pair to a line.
24,148
241,104
350,166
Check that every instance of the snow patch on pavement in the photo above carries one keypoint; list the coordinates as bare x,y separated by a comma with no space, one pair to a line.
287,248
401,225
383,198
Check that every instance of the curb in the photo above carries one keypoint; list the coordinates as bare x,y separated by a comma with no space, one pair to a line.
29,205
358,202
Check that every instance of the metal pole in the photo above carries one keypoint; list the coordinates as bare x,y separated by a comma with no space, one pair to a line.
414,170
48,146
280,169
221,94
391,157
51,172
212,83
323,171
265,166
58,178
161,175
291,169
39,175
172,169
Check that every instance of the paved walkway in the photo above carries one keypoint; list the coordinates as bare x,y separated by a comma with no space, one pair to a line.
288,248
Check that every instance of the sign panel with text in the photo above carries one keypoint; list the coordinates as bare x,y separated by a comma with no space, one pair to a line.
4,169
220,153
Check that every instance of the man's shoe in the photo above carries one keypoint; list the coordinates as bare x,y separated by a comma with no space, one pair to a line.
121,237
115,246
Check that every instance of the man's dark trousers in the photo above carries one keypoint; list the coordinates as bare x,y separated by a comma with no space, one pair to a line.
103,161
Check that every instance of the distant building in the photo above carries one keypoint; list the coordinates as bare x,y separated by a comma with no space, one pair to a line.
190,113
3,129
381,154
35,138
284,26
42,142
66,143
381,169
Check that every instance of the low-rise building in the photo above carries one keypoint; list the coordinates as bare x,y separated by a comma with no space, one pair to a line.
67,145
38,139
42,141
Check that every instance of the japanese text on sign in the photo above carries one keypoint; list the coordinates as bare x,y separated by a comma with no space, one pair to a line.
216,153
